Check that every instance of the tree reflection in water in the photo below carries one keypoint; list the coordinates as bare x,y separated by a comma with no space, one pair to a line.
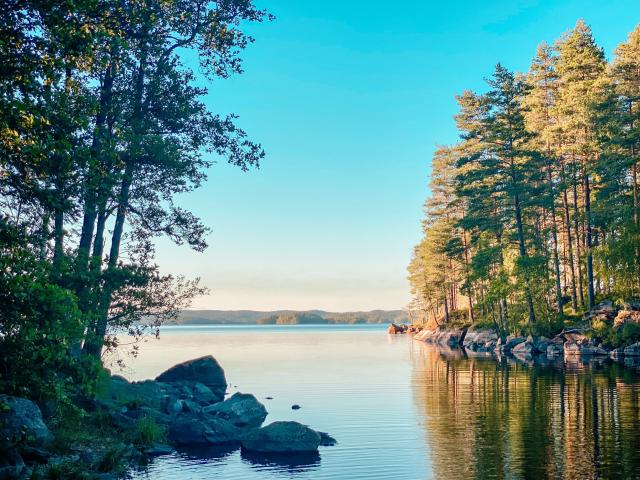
504,418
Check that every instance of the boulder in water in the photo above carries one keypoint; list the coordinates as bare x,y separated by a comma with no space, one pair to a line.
282,437
205,370
241,409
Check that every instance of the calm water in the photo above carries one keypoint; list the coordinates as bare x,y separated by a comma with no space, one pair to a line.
402,409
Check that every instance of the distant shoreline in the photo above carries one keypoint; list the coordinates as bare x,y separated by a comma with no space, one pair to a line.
287,317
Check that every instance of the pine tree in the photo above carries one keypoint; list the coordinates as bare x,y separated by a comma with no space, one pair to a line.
580,65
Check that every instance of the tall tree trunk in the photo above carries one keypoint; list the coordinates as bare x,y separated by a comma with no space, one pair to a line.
587,214
98,243
554,238
634,175
466,271
572,269
58,238
44,236
446,309
577,230
93,182
523,255
94,347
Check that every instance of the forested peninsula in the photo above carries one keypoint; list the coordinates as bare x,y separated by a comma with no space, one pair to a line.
533,217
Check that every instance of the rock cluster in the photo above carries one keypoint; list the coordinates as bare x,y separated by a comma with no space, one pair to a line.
187,400
396,329
569,342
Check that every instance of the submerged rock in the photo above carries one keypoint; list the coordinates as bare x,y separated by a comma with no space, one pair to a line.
327,440
282,437
159,449
241,409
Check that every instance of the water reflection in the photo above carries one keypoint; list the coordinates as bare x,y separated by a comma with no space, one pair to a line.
283,463
515,418
207,454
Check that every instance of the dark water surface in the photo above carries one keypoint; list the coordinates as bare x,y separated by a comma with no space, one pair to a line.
401,409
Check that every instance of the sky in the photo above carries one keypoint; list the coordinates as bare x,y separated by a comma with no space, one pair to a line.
349,99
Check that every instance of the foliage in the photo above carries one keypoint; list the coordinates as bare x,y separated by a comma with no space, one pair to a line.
535,212
147,431
102,128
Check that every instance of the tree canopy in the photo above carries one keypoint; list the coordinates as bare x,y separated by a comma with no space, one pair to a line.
533,214
102,128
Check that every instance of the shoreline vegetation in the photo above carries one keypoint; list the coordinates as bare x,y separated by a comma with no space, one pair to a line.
104,128
532,226
614,337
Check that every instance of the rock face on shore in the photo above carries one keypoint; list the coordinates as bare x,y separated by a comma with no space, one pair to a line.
570,342
22,434
282,437
443,336
480,340
21,420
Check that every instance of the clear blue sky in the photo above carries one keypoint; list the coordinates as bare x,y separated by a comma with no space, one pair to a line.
349,99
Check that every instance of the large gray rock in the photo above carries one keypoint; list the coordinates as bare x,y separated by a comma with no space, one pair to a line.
480,340
117,391
188,429
524,348
512,342
282,437
203,394
583,349
241,409
205,370
21,420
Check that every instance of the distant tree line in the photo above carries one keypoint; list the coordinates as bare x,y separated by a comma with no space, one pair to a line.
102,127
535,212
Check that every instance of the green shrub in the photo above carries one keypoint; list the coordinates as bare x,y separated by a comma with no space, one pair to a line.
630,333
147,431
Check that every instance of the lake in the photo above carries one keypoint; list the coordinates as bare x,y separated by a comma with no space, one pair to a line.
402,409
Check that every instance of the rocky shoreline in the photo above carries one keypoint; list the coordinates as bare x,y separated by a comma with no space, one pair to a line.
569,342
186,403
